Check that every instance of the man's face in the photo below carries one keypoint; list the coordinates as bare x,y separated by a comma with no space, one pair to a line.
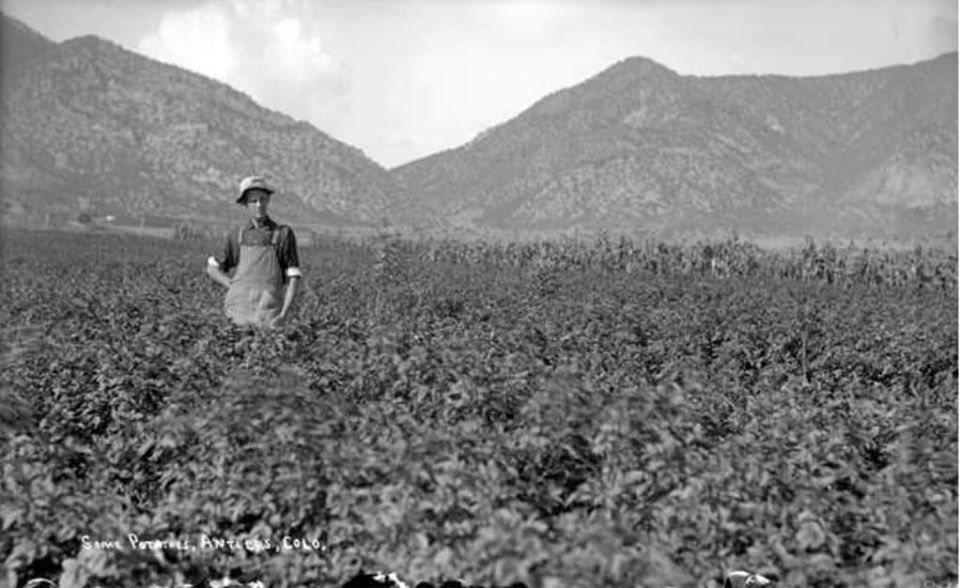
257,202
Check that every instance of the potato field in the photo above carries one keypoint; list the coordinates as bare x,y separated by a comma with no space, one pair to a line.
604,414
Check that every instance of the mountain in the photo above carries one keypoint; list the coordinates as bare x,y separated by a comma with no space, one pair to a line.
19,46
640,147
90,125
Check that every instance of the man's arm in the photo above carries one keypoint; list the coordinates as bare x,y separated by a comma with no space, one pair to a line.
290,263
289,296
218,268
218,275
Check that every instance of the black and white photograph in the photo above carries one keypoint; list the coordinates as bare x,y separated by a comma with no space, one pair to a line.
478,293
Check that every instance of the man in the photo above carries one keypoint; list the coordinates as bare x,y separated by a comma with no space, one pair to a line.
265,257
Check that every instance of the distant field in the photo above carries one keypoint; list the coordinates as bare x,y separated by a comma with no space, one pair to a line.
309,233
596,415
158,232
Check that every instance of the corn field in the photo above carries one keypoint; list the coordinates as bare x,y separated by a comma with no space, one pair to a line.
825,263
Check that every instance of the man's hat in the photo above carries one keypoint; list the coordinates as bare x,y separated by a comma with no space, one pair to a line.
252,183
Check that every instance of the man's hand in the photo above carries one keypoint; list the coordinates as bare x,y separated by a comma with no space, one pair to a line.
276,321
218,276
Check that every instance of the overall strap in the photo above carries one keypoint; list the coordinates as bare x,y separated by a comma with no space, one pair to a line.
274,236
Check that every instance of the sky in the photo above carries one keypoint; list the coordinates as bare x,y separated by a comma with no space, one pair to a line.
402,79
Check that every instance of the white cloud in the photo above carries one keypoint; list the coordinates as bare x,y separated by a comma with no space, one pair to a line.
198,40
298,55
267,49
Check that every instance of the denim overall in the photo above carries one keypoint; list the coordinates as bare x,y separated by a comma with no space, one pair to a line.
255,294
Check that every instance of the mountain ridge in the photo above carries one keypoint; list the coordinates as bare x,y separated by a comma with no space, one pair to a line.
94,125
638,146
19,46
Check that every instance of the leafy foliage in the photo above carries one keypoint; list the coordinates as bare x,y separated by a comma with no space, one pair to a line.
559,426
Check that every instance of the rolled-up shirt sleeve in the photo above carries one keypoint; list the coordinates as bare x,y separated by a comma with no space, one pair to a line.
289,260
228,257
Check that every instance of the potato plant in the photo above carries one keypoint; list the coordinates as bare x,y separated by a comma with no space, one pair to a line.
514,416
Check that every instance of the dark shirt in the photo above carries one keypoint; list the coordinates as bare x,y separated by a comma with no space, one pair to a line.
250,234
